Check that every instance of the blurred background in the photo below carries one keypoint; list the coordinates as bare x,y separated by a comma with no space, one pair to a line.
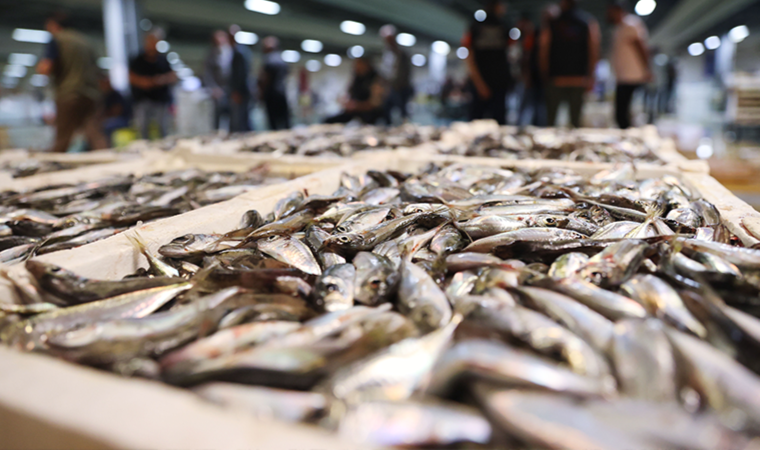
240,65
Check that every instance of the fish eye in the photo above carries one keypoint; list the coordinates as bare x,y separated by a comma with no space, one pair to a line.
331,287
549,220
341,229
272,237
344,239
55,269
375,283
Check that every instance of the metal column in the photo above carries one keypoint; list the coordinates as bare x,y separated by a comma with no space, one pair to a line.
120,19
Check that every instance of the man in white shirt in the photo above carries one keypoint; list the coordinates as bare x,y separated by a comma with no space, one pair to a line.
630,58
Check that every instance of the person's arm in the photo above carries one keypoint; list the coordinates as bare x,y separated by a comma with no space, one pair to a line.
594,44
639,43
475,76
375,100
140,81
544,43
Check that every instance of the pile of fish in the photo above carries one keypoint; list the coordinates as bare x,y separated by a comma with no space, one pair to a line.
31,166
557,144
467,306
63,217
342,141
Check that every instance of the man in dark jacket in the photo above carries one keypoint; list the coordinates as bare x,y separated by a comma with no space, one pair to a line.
272,85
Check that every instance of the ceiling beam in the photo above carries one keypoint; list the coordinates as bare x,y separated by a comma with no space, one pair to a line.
691,18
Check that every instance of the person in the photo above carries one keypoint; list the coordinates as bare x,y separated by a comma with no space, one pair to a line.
272,85
569,51
487,64
117,112
397,70
217,75
150,77
241,84
71,62
668,95
630,58
365,96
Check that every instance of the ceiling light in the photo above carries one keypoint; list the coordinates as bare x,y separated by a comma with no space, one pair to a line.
291,56
351,27
419,60
27,35
645,7
14,71
515,34
246,38
312,46
738,34
333,60
263,7
406,39
712,42
440,47
696,49
661,59
22,59
191,84
162,46
104,62
357,51
480,15
185,72
38,80
172,57
313,65
463,53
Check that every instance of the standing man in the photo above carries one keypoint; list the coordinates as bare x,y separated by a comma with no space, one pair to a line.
150,77
241,85
70,60
397,70
488,65
568,55
217,73
630,59
272,85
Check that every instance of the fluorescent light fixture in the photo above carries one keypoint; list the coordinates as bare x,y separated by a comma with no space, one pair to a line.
22,59
712,42
738,34
351,27
313,65
696,49
333,60
312,46
246,38
14,71
38,80
406,39
291,56
104,62
480,15
146,24
661,59
419,60
357,51
185,72
515,34
263,7
191,84
463,53
705,148
645,7
440,47
173,58
34,36
162,46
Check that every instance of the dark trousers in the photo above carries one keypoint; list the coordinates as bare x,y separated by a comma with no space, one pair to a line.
278,111
240,120
398,98
75,113
533,107
573,96
368,117
494,107
623,98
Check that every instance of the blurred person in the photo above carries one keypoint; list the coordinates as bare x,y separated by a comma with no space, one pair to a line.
217,75
150,77
488,65
533,106
366,96
241,85
117,112
568,53
71,62
668,95
396,68
630,58
272,85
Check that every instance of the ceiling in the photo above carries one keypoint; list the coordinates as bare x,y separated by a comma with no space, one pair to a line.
189,23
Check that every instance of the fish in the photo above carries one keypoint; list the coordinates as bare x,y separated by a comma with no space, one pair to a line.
376,279
422,299
607,303
265,403
334,289
488,244
291,251
567,265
